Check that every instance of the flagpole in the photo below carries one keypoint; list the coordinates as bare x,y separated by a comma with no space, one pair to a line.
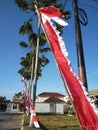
35,72
36,65
36,62
65,86
30,87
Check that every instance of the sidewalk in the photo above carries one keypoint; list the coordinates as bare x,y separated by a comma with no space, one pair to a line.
10,121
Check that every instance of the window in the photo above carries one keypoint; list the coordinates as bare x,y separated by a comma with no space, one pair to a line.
14,106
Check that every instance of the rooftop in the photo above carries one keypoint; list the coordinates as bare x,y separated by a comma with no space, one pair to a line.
49,94
53,100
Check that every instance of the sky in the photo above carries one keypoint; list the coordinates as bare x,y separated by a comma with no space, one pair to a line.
11,19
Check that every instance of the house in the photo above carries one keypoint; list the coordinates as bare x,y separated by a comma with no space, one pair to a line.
46,102
14,105
49,102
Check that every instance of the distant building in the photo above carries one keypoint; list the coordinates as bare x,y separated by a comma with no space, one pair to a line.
49,102
14,105
46,102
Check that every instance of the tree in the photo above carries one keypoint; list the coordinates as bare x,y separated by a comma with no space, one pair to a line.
3,102
18,95
2,99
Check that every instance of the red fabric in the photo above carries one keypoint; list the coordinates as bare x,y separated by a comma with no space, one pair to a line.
51,11
86,115
25,99
25,85
35,118
31,105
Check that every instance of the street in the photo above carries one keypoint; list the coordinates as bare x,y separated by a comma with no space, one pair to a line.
10,121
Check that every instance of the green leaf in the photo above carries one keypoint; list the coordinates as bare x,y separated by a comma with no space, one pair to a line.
23,44
33,39
26,27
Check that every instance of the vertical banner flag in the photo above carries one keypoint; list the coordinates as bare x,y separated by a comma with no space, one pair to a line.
87,113
32,108
33,115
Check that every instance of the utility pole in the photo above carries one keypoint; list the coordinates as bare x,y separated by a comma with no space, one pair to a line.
79,47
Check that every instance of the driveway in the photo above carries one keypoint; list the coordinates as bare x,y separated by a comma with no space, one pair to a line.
10,121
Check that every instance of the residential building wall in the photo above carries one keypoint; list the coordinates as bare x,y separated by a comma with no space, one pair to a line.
60,108
42,107
49,107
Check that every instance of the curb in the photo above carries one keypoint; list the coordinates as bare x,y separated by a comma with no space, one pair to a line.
22,124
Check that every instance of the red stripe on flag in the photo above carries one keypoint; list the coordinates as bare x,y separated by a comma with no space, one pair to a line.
31,105
51,11
35,118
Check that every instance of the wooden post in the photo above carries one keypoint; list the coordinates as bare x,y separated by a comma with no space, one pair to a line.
35,73
79,47
36,65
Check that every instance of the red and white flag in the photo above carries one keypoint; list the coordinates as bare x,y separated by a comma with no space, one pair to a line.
31,108
86,112
33,115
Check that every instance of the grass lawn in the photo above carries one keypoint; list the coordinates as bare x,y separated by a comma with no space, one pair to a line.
55,122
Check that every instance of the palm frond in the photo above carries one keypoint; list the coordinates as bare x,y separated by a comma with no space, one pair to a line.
23,44
26,27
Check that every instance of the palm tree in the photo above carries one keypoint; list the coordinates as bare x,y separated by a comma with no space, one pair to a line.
17,95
